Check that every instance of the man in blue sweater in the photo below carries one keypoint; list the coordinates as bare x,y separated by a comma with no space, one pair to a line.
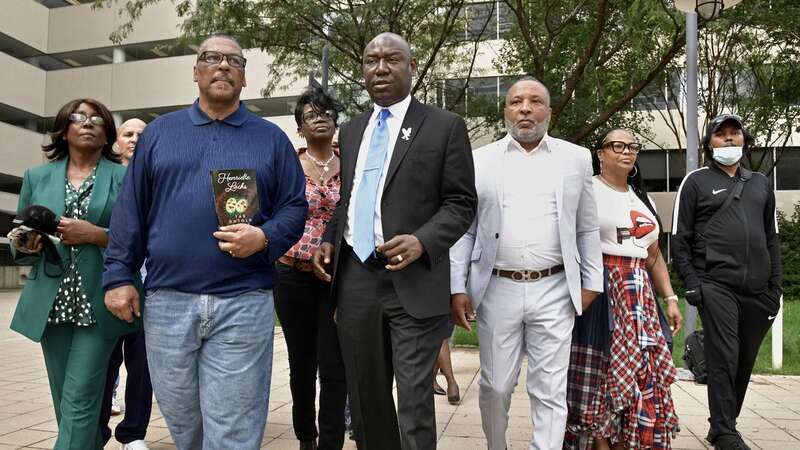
209,316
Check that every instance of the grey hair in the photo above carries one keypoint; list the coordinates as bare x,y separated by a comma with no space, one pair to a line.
218,36
535,80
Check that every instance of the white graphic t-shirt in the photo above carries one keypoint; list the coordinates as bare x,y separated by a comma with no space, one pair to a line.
627,227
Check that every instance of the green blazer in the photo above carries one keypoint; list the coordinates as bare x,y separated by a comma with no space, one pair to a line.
44,185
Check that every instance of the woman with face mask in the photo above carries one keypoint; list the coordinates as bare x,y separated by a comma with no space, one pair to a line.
725,249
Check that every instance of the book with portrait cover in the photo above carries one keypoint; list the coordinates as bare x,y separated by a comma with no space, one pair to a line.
235,195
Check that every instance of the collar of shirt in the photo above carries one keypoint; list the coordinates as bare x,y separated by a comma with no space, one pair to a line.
398,110
512,144
198,117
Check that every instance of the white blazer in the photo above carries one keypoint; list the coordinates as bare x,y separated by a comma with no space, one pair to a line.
472,257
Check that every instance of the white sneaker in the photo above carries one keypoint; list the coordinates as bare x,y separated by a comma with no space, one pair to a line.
116,408
135,445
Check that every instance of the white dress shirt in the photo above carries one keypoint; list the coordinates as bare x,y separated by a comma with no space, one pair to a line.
529,236
394,122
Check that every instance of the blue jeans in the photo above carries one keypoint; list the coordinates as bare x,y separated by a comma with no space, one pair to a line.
210,362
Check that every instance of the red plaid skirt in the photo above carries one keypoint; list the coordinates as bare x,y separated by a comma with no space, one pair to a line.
622,393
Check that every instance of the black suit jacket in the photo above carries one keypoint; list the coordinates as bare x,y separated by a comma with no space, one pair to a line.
429,192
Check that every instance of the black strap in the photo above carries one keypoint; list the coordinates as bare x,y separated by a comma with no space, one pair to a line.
735,194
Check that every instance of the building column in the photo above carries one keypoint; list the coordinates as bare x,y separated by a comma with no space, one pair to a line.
118,55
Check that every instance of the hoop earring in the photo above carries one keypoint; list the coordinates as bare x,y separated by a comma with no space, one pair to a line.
635,172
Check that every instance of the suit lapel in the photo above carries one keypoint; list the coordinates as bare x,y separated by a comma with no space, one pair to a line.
408,132
54,189
102,184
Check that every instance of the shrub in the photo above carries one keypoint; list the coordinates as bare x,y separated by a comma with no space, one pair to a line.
790,252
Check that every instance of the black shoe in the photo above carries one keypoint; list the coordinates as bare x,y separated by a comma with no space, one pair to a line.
308,445
730,442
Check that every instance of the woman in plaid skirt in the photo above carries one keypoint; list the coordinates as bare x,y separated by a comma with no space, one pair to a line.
621,365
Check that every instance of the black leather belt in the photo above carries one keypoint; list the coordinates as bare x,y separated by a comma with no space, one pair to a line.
527,275
376,260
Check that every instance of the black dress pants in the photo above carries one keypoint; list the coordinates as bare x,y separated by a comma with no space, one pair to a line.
138,390
303,305
734,324
381,341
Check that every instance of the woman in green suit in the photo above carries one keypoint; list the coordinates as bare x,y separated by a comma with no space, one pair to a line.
62,305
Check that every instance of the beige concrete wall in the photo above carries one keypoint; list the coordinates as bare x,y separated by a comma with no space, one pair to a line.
22,85
26,21
69,84
81,27
8,201
19,149
150,83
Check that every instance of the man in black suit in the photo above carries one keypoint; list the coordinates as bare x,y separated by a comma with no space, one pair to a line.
407,195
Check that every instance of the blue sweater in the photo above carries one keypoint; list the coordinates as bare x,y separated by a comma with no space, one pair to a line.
165,209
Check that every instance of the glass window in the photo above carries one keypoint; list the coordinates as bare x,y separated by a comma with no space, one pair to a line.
788,170
651,97
677,169
505,20
653,165
477,15
454,100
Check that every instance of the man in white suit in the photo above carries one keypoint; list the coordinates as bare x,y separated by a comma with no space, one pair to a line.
529,263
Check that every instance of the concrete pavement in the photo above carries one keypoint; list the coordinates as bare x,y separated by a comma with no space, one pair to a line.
770,420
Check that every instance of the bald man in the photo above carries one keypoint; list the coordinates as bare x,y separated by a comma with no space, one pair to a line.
407,195
131,431
127,136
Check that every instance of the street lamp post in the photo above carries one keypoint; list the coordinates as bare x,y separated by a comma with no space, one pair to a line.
707,10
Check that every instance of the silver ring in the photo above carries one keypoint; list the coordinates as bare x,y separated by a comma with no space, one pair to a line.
399,258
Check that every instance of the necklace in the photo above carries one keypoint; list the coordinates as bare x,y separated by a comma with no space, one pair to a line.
323,164
321,175
611,186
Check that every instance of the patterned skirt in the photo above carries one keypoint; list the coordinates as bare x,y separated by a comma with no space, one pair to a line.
619,387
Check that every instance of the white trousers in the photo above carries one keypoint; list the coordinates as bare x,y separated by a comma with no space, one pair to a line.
514,319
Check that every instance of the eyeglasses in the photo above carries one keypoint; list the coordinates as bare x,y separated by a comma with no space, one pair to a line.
311,116
619,146
215,58
81,118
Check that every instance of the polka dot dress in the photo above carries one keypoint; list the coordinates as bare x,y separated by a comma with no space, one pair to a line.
71,304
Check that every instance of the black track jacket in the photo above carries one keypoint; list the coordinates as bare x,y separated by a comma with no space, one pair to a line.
739,248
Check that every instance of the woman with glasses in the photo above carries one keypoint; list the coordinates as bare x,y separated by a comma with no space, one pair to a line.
301,299
62,305
621,366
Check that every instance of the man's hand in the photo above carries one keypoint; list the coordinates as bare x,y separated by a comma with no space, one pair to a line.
401,251
77,231
32,245
123,302
674,316
321,260
461,310
241,240
587,297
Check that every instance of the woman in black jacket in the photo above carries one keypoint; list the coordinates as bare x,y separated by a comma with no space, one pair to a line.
726,251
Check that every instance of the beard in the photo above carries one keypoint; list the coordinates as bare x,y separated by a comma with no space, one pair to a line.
524,136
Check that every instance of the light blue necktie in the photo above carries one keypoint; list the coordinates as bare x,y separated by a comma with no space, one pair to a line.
364,223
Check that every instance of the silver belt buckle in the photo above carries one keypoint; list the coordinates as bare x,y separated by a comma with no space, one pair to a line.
526,275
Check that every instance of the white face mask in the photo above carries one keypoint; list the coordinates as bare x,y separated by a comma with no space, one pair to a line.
727,156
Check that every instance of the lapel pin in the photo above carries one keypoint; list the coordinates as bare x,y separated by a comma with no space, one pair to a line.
406,134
